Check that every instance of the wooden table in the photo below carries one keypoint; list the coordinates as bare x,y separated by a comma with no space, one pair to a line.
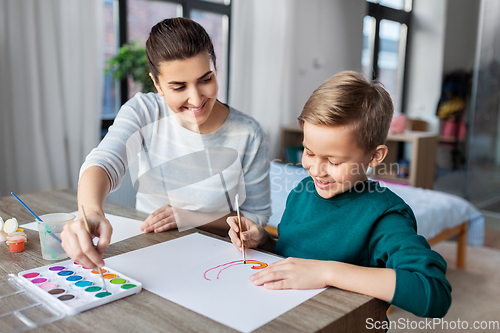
332,310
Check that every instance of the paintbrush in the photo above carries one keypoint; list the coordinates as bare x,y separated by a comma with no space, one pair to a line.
90,235
241,231
36,216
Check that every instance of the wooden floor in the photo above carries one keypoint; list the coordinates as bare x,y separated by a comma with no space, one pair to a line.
492,238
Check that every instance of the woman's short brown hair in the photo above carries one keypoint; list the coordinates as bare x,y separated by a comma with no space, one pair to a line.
349,99
176,39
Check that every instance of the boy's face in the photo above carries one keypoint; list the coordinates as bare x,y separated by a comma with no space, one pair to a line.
190,88
333,158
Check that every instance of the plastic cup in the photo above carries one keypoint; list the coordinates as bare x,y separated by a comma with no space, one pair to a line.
50,234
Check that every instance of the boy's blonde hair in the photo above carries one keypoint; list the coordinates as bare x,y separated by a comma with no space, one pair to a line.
349,99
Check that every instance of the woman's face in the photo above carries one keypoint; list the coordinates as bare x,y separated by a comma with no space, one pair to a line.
190,89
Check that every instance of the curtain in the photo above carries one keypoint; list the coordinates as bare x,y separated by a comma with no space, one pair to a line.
51,73
260,74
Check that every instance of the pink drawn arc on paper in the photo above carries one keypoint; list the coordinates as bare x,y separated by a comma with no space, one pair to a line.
259,265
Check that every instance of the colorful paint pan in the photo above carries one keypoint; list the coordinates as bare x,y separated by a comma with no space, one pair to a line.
31,275
57,291
118,281
109,276
56,268
95,271
93,289
66,297
39,280
128,286
103,294
84,284
75,289
48,285
74,278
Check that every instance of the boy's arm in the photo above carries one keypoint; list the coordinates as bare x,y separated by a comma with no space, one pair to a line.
294,273
376,282
421,284
414,279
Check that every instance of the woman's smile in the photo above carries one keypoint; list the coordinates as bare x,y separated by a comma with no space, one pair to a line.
197,110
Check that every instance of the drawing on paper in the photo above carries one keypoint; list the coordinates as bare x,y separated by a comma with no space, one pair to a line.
258,265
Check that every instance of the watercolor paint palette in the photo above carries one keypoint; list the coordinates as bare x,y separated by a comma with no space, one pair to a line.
75,288
45,294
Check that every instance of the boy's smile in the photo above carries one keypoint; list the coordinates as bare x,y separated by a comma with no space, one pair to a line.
333,158
323,185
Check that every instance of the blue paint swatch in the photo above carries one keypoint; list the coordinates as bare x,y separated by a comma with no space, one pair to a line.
74,278
83,284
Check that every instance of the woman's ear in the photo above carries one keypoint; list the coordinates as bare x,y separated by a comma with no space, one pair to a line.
378,156
157,86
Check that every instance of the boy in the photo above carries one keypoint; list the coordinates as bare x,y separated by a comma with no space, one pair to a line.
343,229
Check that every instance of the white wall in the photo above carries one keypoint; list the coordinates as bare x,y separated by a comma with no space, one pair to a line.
281,50
442,39
425,60
328,38
461,32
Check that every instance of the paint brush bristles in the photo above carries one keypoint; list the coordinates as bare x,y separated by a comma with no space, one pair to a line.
241,231
90,235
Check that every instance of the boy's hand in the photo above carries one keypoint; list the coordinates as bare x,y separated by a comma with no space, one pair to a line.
160,220
77,243
253,234
292,273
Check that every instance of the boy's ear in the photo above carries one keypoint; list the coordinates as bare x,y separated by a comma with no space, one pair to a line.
157,86
378,156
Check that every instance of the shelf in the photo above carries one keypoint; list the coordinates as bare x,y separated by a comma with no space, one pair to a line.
390,176
450,139
409,136
422,160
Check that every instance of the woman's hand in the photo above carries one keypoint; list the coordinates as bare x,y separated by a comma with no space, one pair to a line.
160,220
253,234
77,243
293,273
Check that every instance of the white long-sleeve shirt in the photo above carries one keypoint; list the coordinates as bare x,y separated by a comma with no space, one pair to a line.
194,172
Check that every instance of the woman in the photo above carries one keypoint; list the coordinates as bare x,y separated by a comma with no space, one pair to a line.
183,147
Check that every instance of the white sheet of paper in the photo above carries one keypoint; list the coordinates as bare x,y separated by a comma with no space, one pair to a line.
123,227
177,271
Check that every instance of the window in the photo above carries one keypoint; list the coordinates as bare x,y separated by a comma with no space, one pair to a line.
385,31
111,96
135,19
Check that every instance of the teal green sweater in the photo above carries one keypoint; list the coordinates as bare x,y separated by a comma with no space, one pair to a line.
367,226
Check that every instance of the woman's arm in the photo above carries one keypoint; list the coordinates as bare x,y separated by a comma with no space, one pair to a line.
257,205
219,226
93,188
